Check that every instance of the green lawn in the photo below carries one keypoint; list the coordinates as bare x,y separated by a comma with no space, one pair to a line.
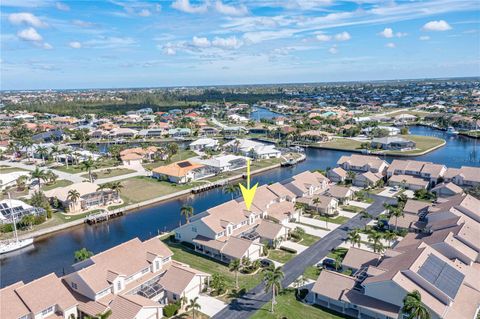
74,169
351,208
180,156
141,188
281,256
336,220
289,307
341,252
423,143
312,272
111,173
208,265
312,226
308,240
342,144
58,183
8,169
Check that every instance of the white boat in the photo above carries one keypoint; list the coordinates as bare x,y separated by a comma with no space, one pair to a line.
451,130
15,243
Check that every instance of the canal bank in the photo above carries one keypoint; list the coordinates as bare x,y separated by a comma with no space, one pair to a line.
54,253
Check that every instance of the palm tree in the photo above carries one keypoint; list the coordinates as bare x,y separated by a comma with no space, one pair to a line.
27,144
300,208
354,237
351,176
187,212
365,215
194,306
54,150
73,195
390,236
272,277
87,166
21,182
39,174
235,266
43,152
51,176
413,306
396,212
231,189
116,187
375,238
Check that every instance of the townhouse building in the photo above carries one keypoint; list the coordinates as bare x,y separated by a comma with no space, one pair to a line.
428,171
362,163
466,176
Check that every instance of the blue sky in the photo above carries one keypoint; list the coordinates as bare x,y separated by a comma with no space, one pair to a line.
101,44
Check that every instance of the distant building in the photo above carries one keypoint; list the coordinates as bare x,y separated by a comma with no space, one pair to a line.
204,144
362,163
183,172
393,143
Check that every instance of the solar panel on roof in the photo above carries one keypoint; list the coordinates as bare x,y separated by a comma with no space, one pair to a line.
184,164
441,275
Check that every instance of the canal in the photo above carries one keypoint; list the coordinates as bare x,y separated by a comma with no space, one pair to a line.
55,253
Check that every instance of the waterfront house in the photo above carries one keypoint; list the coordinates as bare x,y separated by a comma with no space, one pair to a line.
204,144
362,163
314,136
225,163
133,273
393,143
183,172
90,197
179,132
429,171
392,131
337,174
152,132
306,183
466,176
14,208
253,149
208,131
45,297
49,136
122,132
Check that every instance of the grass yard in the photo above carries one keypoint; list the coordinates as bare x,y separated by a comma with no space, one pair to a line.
110,173
141,188
281,256
340,252
351,208
336,220
7,169
13,193
75,169
312,226
424,143
180,156
289,307
308,240
209,265
189,315
312,272
58,183
342,144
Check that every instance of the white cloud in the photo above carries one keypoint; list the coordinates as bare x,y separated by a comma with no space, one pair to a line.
227,43
343,36
424,38
390,45
400,34
438,25
47,46
29,34
109,42
62,6
200,42
185,6
230,10
169,51
333,50
83,24
26,18
75,45
387,33
324,37
260,36
144,13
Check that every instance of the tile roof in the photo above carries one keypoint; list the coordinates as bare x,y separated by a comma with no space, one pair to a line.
177,169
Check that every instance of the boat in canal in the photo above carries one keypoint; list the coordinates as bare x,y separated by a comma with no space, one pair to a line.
451,130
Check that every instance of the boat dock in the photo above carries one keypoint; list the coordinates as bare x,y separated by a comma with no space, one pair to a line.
293,161
102,216
208,186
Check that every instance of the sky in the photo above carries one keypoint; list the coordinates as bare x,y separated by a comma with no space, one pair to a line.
47,44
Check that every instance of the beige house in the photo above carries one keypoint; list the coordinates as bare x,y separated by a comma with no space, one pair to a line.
135,156
46,297
447,190
89,198
426,170
367,179
412,219
326,206
341,193
337,174
306,183
362,163
466,176
358,259
408,182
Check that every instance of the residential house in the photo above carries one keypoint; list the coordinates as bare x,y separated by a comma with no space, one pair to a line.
45,297
271,233
444,190
179,132
426,170
326,206
466,176
367,179
337,174
358,259
314,136
408,182
90,197
413,216
362,163
183,172
225,163
135,156
393,143
253,149
11,209
341,193
306,183
447,213
204,144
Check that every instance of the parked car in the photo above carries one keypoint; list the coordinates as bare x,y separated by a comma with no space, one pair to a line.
328,263
266,263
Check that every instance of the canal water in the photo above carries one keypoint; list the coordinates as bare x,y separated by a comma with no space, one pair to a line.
55,253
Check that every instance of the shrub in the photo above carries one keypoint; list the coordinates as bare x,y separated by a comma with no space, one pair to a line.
301,294
170,310
6,228
289,250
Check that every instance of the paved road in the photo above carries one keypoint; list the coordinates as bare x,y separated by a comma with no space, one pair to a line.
246,306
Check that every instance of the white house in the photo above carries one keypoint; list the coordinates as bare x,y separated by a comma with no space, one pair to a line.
203,144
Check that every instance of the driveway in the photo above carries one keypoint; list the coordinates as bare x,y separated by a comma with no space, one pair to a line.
210,306
292,245
317,223
310,230
359,204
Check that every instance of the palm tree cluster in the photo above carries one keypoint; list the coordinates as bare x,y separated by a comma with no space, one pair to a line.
272,278
40,175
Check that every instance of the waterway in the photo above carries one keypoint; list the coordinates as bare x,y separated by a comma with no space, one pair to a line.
55,253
